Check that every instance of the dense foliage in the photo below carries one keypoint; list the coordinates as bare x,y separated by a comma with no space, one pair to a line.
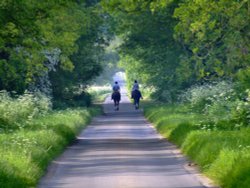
51,46
171,45
167,45
195,52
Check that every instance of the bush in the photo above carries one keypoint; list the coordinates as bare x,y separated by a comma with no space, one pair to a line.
99,93
82,99
243,76
241,113
220,101
204,96
14,111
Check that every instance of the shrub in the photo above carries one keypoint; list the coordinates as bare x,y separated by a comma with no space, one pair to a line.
14,111
241,113
203,96
99,93
243,76
219,101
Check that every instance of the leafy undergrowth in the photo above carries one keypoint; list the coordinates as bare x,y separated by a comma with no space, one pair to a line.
99,93
26,151
221,149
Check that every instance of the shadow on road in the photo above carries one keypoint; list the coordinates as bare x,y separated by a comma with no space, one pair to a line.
119,149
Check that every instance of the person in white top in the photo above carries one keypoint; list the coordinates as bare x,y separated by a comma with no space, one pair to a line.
116,96
116,87
135,86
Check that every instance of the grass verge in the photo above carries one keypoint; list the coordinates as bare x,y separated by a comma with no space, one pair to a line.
222,153
26,152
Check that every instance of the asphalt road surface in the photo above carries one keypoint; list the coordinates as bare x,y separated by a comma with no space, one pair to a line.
119,150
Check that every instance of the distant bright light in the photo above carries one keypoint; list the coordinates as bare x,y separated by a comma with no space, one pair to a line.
119,77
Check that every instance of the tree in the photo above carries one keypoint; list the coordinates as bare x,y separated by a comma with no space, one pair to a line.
149,52
173,44
216,34
50,44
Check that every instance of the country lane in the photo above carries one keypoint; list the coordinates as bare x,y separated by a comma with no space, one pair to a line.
119,149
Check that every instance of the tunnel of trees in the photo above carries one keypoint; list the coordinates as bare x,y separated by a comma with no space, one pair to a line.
191,58
169,45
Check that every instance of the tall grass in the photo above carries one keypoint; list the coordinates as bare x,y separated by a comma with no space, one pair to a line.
32,135
215,137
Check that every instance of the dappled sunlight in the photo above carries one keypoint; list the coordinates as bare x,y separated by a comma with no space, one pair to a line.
120,149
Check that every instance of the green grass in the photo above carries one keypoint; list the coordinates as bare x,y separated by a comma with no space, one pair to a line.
221,150
99,93
26,152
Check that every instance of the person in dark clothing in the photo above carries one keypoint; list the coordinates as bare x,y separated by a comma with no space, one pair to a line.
136,95
135,87
116,95
116,87
116,90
